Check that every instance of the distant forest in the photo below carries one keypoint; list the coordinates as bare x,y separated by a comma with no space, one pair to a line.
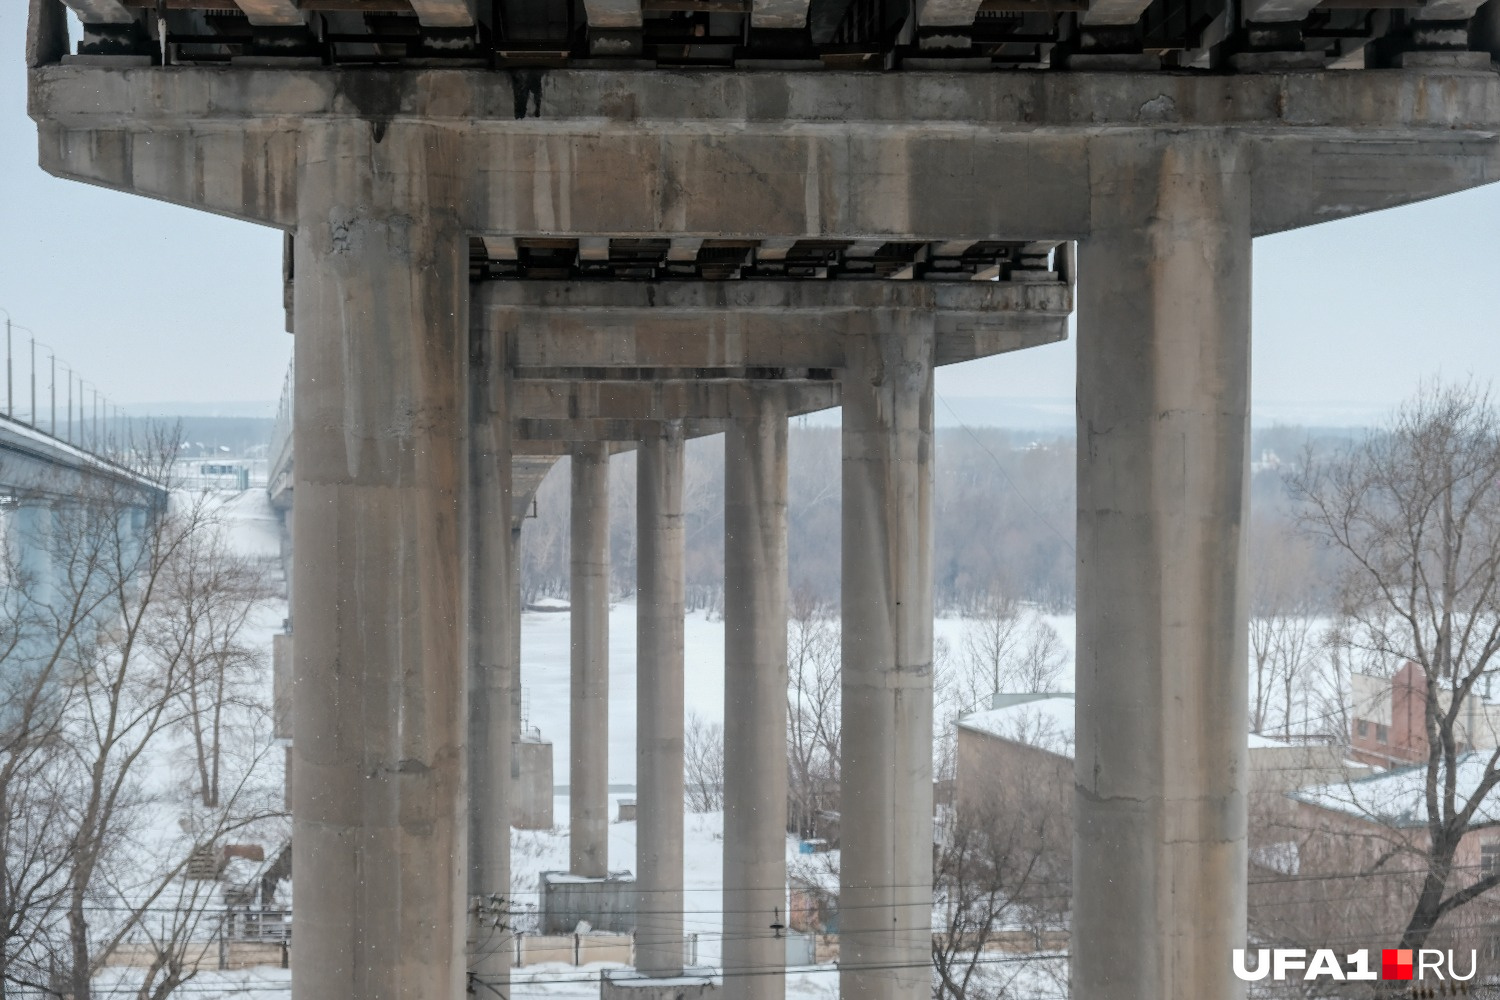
240,437
1004,509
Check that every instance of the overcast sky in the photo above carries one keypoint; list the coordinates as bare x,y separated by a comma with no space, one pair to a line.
156,303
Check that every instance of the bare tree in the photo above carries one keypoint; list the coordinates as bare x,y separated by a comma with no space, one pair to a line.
33,847
104,691
703,762
1040,661
994,637
1415,513
208,594
813,723
1000,885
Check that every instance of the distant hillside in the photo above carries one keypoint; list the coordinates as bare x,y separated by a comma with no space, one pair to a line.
242,437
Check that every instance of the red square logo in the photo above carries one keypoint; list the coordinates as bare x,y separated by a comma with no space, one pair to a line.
1395,963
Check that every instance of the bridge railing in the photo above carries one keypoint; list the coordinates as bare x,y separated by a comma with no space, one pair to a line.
279,469
48,395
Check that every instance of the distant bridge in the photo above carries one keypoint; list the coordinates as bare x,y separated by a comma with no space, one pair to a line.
34,464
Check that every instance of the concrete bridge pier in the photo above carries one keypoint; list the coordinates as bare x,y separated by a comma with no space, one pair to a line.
1163,402
659,702
381,313
755,683
885,881
588,796
494,623
29,539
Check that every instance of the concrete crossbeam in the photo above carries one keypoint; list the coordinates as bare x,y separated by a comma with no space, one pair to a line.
654,401
947,13
762,324
380,595
1270,11
841,155
494,635
444,13
660,680
755,686
785,14
588,796
1450,10
613,13
1159,855
101,11
1107,12
272,13
555,437
885,878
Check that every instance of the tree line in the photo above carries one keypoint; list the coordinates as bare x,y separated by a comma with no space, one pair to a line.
1004,504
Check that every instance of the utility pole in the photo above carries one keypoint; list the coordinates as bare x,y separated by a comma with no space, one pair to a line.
10,381
33,382
52,394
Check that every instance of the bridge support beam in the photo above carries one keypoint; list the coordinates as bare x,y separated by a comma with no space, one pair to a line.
755,683
659,702
495,629
379,814
885,882
588,795
1163,401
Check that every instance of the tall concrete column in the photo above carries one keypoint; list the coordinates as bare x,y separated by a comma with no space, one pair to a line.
494,631
885,882
379,818
659,702
1159,852
515,639
29,536
588,760
755,683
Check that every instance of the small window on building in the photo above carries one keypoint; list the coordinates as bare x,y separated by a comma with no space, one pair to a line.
1362,728
1381,733
1489,858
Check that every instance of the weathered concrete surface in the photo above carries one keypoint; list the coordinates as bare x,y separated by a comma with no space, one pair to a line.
647,401
46,33
272,12
494,624
588,797
532,790
606,903
1163,402
380,601
661,582
885,879
755,685
445,13
831,154
693,984
947,13
787,14
613,13
555,327
101,11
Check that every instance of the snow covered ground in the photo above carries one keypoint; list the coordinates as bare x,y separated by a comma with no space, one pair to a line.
254,530
544,677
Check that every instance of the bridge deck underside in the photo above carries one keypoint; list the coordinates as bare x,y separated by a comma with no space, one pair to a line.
810,34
